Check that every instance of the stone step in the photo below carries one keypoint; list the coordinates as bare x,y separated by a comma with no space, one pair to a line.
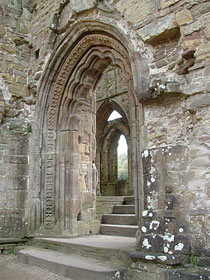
129,200
119,219
72,266
124,209
193,273
119,230
100,247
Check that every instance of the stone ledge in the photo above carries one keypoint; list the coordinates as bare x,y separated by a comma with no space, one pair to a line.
160,258
12,240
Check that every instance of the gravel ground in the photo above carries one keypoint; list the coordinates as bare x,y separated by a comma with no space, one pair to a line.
11,269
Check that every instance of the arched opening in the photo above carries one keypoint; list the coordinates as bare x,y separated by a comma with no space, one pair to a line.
72,127
122,159
114,116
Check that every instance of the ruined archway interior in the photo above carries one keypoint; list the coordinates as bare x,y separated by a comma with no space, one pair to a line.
112,97
94,80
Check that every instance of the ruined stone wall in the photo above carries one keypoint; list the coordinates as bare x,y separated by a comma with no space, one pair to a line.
14,116
173,38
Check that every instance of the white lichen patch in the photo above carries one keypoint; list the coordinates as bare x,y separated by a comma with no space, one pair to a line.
181,230
144,213
149,258
152,179
146,243
150,214
149,201
165,249
179,247
154,225
152,170
162,258
145,153
144,229
168,237
117,274
148,184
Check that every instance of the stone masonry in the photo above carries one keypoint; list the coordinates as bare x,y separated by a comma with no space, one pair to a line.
64,67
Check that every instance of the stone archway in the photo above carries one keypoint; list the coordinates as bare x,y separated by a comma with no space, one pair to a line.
62,195
108,134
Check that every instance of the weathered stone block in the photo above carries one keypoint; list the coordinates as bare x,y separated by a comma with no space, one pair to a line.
2,31
8,48
17,182
161,30
207,30
134,10
193,27
168,3
208,86
19,90
183,17
192,41
81,5
203,52
198,102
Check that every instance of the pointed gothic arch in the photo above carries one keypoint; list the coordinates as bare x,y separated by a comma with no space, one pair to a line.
63,173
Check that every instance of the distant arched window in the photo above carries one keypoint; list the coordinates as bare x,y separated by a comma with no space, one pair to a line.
122,157
114,116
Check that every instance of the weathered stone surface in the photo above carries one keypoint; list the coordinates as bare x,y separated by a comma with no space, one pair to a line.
171,180
19,90
168,3
193,27
203,52
8,48
79,5
2,31
208,87
134,10
159,258
160,30
199,102
207,30
183,17
192,41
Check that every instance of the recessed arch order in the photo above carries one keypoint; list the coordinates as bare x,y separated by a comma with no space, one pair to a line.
61,174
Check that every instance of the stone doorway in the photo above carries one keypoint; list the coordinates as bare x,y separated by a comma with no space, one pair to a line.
112,95
63,167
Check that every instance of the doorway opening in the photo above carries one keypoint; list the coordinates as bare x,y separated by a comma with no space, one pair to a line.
74,139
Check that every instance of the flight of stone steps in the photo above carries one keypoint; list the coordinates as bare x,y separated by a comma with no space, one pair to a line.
96,257
122,222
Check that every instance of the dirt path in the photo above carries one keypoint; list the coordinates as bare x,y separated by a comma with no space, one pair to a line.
11,269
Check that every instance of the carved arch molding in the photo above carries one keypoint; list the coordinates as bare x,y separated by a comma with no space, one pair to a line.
67,96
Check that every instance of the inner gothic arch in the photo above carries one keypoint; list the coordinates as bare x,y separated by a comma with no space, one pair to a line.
64,174
108,134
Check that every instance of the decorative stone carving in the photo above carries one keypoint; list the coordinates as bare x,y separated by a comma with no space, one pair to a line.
94,52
